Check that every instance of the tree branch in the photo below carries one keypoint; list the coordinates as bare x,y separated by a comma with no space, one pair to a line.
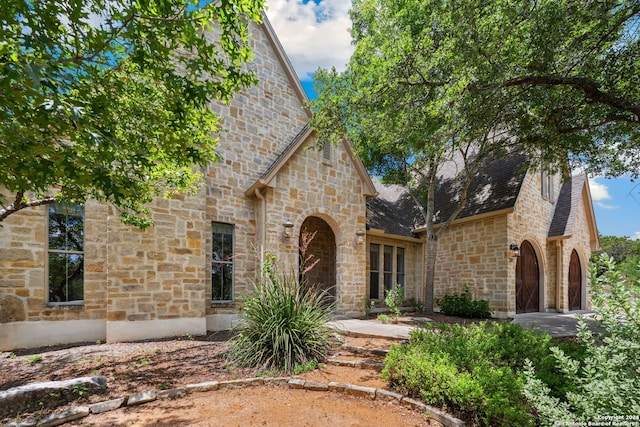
587,86
18,204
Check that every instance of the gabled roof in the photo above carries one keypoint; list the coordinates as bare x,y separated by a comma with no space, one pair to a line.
494,189
285,63
574,192
393,211
267,178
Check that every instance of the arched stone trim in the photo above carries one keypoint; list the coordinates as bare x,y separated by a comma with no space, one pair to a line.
584,273
542,269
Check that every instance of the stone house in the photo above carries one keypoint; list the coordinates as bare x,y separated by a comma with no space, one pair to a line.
111,282
76,273
522,241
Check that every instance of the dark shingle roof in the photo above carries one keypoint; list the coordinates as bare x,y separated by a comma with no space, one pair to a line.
495,188
393,211
567,206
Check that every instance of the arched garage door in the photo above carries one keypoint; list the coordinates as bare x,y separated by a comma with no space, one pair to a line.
527,280
575,282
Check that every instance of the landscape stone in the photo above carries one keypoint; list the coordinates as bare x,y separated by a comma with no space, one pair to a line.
107,405
296,383
206,386
50,394
55,419
314,386
241,383
142,397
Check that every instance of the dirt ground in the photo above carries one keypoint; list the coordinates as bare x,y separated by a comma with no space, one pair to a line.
164,364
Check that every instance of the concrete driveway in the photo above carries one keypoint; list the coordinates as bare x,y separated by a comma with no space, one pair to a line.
556,324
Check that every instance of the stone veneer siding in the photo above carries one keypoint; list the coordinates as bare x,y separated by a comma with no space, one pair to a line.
259,123
308,186
157,282
23,263
474,253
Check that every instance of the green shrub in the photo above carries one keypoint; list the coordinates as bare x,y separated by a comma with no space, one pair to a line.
284,325
462,305
603,378
393,299
473,371
415,304
383,318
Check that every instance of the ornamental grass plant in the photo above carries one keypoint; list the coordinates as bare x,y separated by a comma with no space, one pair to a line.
284,324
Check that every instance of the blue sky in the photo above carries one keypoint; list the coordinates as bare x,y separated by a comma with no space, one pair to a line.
314,33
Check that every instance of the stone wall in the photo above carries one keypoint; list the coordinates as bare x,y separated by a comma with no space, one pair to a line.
580,240
158,273
23,263
530,221
157,282
474,253
308,186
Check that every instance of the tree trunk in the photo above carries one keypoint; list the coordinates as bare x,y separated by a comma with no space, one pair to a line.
432,239
430,273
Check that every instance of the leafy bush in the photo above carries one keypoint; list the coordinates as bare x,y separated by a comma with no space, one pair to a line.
383,318
462,305
605,380
284,324
474,371
415,304
393,299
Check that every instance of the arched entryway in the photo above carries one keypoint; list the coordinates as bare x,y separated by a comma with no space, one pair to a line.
575,282
527,280
317,244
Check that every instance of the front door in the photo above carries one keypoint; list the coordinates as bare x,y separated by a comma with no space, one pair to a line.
527,280
317,245
575,282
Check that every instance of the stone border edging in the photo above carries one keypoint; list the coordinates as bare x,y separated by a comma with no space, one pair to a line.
139,398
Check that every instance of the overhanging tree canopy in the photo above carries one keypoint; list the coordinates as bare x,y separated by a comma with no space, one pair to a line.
433,80
109,99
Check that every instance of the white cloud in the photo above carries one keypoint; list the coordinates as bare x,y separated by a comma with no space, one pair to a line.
636,236
313,35
605,206
599,191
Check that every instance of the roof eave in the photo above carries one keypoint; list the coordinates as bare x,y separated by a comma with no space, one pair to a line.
499,212
377,232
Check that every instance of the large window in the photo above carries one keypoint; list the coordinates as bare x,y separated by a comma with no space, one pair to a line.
386,268
374,271
66,253
222,262
400,267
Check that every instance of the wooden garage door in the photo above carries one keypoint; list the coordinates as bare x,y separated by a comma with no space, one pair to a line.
575,282
527,284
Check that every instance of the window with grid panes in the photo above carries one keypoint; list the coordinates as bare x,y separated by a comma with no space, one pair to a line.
222,262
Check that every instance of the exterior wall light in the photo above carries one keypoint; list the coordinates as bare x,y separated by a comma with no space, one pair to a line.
287,232
514,250
360,237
